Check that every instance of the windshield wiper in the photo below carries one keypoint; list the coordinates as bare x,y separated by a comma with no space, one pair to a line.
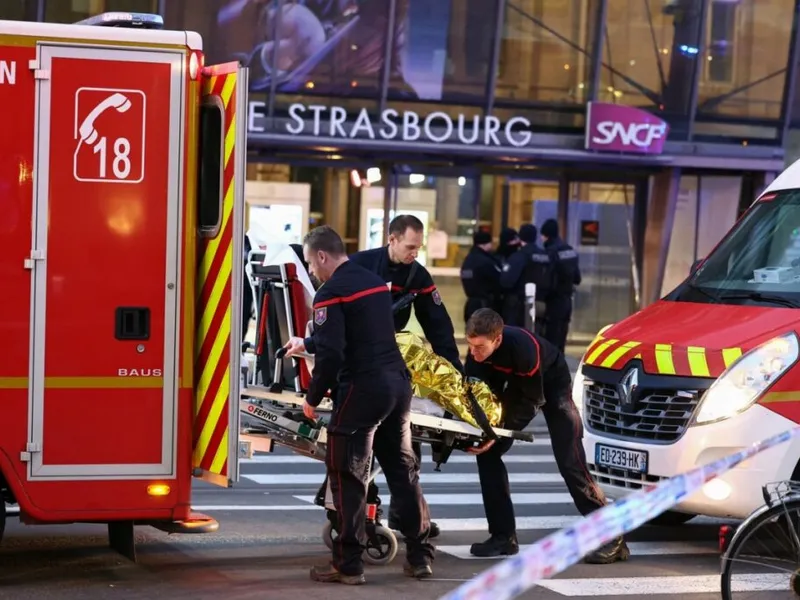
760,297
697,288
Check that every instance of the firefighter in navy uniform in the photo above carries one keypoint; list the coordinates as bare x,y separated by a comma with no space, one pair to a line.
530,264
356,354
566,275
527,373
480,275
396,263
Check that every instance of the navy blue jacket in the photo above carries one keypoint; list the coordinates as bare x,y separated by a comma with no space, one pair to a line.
428,305
353,337
515,372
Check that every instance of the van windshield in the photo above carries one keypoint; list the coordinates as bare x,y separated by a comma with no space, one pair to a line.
757,263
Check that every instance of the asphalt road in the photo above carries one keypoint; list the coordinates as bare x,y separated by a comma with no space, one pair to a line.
270,535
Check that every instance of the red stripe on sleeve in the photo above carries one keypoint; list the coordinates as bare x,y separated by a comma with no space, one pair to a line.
352,297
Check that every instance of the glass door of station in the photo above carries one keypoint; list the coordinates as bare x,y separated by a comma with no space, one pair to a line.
600,226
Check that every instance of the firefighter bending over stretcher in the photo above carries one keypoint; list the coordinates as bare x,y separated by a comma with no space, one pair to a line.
356,355
526,373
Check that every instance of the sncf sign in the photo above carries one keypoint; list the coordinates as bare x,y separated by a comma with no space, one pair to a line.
618,128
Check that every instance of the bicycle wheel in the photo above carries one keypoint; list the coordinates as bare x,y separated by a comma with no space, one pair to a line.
764,555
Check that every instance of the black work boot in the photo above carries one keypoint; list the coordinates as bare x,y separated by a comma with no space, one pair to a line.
330,574
418,571
497,545
394,525
615,550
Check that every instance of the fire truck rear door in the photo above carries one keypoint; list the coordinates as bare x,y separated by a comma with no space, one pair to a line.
223,148
105,261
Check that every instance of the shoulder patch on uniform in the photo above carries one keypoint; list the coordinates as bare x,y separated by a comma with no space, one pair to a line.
321,315
437,298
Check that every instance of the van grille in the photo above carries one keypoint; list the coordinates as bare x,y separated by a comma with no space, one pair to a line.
657,415
623,478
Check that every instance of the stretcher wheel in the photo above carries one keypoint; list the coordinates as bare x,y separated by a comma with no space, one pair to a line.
384,551
327,534
378,554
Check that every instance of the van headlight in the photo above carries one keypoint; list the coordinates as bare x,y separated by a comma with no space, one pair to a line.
577,389
747,379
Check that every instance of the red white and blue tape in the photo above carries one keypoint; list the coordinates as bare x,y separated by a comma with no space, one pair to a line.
562,549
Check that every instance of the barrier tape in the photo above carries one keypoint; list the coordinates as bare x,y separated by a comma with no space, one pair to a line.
554,553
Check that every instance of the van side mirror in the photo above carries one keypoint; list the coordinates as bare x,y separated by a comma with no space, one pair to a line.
695,265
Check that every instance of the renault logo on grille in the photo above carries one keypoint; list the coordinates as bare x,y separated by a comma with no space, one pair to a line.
628,388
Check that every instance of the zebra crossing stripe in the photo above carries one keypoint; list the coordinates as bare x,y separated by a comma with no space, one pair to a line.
678,585
637,549
466,459
520,499
315,479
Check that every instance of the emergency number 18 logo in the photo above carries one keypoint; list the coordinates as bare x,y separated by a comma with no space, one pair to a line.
109,135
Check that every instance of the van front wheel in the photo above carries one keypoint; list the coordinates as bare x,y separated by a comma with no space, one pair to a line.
670,518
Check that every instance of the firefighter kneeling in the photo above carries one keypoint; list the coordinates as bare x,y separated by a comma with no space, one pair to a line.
527,373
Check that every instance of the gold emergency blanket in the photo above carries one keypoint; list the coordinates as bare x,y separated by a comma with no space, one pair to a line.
434,378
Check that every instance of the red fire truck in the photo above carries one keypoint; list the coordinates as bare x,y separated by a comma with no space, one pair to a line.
122,161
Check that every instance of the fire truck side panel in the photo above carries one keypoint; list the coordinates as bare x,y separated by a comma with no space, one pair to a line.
220,274
107,221
16,213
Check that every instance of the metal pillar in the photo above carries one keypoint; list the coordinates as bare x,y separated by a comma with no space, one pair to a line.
599,37
664,190
491,82
387,57
790,82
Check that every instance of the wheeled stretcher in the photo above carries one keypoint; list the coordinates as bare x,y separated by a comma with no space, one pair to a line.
271,413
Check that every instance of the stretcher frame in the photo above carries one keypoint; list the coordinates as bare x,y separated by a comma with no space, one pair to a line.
266,407
273,415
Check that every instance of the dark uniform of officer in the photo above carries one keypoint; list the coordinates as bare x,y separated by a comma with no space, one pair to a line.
508,244
527,373
480,275
431,312
530,264
428,307
356,354
566,275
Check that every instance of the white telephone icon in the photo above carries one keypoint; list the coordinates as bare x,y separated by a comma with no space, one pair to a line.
87,132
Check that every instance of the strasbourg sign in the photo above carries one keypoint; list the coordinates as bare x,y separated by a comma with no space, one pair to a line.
619,128
401,126
609,127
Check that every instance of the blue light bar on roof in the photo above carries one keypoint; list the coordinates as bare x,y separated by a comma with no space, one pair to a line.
125,19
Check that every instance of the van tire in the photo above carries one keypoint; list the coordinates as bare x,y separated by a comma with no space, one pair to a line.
670,518
2,518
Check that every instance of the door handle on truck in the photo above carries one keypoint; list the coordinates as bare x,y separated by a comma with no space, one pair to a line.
132,323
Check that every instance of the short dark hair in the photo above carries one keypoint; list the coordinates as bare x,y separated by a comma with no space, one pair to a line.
325,239
484,322
401,223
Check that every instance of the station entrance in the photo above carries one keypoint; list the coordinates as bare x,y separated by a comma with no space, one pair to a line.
601,216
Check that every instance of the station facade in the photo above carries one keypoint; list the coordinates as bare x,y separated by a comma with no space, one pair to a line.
645,128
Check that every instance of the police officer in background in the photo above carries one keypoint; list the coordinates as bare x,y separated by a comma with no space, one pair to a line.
508,244
566,275
356,354
480,275
530,264
396,263
527,373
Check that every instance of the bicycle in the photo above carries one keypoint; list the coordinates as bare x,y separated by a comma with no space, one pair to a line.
764,531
